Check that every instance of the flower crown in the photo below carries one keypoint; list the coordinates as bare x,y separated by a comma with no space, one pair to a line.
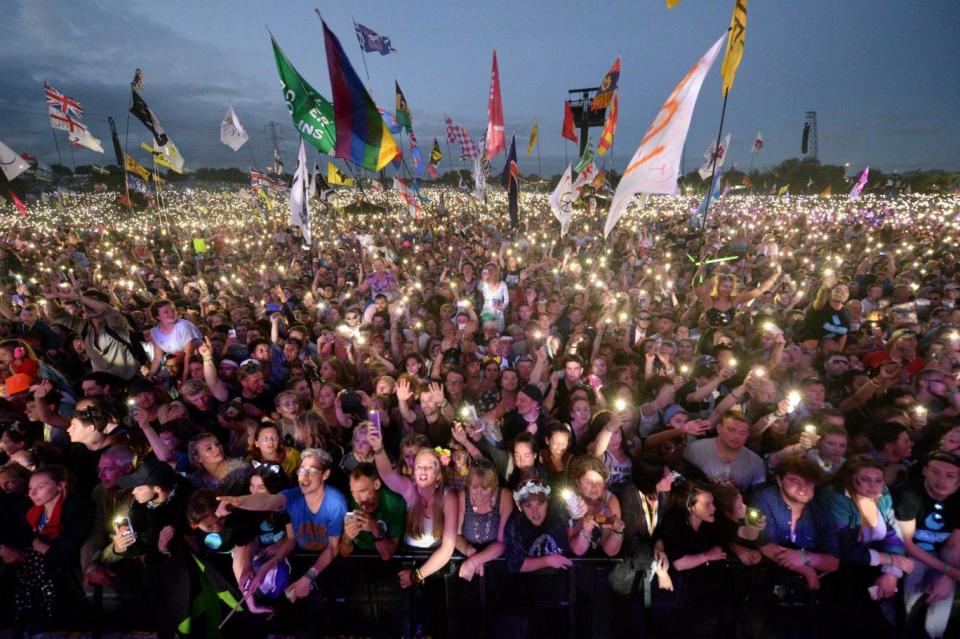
530,487
444,455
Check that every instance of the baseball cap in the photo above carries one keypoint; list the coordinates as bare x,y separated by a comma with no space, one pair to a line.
150,473
943,456
16,383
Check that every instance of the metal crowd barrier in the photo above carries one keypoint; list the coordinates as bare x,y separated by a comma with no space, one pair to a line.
360,596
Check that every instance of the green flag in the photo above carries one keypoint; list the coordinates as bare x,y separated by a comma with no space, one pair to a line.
312,114
587,157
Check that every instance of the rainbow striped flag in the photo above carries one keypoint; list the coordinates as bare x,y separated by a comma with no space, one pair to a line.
362,135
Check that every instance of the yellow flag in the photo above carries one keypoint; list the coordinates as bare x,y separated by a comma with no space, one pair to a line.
735,39
783,190
135,167
265,199
827,192
534,134
335,177
167,155
672,3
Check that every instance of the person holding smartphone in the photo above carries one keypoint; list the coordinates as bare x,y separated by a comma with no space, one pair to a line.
602,526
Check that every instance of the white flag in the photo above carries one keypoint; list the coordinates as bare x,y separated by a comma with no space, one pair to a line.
479,179
653,167
707,169
232,132
561,201
83,138
299,204
757,142
11,163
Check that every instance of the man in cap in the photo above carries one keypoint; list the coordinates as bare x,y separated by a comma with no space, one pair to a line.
151,534
529,416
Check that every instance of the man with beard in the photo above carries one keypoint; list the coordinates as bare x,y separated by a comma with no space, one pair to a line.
151,536
316,516
799,535
378,515
937,392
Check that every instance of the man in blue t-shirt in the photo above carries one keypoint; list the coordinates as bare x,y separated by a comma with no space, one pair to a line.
316,514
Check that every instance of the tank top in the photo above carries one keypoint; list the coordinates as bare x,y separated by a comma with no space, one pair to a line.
619,471
425,540
719,319
481,529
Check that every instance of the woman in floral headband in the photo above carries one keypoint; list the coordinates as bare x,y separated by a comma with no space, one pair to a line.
536,535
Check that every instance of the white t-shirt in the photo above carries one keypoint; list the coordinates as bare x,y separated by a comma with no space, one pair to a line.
176,341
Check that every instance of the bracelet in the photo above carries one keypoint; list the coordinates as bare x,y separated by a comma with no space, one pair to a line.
208,359
312,574
418,576
616,532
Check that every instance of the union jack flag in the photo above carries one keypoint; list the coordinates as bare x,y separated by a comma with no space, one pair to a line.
62,103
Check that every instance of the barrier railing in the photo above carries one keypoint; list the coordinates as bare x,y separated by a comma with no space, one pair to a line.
360,596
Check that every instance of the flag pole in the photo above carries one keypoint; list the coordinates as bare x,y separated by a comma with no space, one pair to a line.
449,154
363,52
539,168
56,144
126,139
713,171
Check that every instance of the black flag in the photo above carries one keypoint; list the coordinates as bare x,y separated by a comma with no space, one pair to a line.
142,112
510,179
117,149
806,138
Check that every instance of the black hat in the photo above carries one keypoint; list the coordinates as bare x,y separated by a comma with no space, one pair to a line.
944,456
149,473
140,385
533,392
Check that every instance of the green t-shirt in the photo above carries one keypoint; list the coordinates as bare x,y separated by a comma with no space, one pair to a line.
390,515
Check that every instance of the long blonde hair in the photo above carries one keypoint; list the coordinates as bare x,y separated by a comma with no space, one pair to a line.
715,287
417,510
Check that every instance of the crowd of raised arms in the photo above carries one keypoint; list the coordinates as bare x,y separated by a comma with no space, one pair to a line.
778,393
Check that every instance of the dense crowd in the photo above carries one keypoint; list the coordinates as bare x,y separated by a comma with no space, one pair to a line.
779,393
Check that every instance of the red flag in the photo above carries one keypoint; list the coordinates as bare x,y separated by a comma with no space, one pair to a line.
496,141
16,200
569,131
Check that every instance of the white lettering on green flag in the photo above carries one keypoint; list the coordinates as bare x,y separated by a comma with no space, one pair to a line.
312,114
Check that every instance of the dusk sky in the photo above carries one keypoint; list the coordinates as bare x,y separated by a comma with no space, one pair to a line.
882,75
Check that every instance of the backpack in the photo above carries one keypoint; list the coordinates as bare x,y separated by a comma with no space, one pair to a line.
134,346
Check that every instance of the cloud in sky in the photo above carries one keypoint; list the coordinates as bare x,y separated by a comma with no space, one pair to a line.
879,73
